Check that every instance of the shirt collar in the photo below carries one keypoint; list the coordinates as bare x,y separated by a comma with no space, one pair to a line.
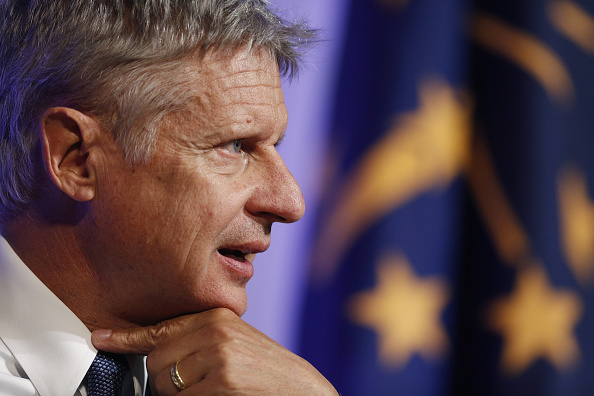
50,343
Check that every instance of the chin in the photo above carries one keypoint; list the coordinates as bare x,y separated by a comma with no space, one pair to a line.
242,310
239,306
234,299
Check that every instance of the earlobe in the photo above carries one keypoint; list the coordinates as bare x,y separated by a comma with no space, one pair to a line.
66,135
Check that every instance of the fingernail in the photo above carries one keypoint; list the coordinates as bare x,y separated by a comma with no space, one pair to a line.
101,335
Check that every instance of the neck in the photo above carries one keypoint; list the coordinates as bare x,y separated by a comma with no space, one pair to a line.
54,253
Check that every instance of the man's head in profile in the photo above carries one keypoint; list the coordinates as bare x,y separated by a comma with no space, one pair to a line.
139,177
154,134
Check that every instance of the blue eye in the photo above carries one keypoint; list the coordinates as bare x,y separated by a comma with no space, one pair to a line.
236,146
233,147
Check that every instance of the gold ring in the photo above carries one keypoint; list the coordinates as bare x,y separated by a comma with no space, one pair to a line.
176,378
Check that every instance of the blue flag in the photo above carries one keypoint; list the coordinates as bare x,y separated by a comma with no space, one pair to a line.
455,246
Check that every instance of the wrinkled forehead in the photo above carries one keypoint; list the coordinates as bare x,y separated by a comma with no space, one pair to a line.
232,87
248,64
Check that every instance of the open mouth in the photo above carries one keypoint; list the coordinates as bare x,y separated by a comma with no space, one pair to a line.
234,254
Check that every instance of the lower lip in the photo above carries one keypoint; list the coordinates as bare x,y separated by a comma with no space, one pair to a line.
244,269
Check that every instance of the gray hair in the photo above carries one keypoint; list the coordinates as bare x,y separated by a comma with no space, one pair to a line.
118,60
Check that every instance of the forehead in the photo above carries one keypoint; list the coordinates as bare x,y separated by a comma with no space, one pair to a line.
229,88
226,68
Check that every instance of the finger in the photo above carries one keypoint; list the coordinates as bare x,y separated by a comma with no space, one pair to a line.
191,370
143,340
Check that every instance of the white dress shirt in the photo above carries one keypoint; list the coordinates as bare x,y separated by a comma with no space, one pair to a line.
45,350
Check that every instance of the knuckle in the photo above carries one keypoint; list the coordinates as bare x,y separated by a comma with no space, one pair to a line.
157,333
221,332
224,351
147,339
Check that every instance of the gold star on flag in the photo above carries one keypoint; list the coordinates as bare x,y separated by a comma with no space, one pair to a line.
405,312
536,321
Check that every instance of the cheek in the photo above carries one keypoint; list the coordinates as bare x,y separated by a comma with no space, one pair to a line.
172,212
213,210
215,195
198,211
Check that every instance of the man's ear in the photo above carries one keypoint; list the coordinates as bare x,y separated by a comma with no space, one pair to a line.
66,137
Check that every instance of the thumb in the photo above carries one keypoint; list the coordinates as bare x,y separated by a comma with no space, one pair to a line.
143,340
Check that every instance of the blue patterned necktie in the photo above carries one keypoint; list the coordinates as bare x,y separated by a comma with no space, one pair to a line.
106,375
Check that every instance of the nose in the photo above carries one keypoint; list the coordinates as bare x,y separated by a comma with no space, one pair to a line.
277,195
